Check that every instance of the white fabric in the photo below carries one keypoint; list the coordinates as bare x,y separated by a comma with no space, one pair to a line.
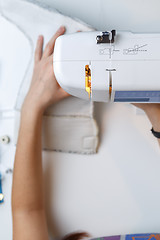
12,43
69,123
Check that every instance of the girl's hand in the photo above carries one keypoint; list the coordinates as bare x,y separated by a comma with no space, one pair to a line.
44,89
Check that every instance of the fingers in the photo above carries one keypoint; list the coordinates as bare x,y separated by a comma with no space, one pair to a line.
38,51
50,45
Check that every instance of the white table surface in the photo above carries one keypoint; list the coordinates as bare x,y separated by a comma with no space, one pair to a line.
115,191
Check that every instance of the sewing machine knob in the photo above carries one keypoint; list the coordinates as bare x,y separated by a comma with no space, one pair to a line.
106,37
4,139
99,38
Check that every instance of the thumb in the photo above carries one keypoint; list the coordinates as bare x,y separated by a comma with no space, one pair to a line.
63,93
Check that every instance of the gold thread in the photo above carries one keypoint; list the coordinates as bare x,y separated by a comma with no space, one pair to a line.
88,80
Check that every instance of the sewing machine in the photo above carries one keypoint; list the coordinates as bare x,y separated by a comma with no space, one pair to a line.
109,66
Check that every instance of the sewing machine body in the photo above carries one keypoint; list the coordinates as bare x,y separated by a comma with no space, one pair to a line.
109,66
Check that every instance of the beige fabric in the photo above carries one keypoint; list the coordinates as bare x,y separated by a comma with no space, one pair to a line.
63,134
69,125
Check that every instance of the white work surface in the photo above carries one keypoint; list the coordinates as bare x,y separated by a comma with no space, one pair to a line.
115,191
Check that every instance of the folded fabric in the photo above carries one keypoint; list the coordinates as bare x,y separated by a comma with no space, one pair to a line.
148,236
69,125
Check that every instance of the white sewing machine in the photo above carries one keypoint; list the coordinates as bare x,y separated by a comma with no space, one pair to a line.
109,66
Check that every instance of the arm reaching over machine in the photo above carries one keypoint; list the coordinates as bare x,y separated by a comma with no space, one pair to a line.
29,220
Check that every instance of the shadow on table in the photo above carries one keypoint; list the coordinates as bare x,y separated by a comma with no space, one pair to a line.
101,116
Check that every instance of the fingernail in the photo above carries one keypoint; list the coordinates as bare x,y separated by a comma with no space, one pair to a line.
62,28
39,37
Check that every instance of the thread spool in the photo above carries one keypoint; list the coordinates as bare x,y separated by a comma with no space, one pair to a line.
4,139
1,197
1,194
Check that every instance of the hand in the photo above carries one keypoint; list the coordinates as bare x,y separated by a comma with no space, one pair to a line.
147,107
44,89
152,110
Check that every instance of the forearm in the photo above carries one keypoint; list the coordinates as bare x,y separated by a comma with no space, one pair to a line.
27,193
153,114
